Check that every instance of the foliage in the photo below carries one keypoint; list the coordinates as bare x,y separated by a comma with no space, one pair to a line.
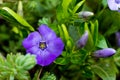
15,66
62,16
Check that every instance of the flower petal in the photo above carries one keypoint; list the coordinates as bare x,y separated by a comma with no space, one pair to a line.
46,32
45,58
113,5
33,50
56,46
32,39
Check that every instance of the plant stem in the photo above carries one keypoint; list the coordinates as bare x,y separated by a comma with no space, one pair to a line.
39,73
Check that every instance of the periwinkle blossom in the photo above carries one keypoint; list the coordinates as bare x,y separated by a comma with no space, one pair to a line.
44,44
117,38
83,40
106,52
114,5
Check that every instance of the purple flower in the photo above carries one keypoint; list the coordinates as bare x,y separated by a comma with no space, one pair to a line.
114,5
106,52
118,38
83,40
44,44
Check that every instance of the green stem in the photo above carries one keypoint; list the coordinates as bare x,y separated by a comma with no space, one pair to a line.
39,73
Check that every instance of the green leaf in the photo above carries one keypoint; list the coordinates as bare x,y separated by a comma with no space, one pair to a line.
111,30
65,32
78,57
106,70
94,31
44,21
11,77
90,42
26,62
65,5
73,31
101,42
104,2
78,6
36,75
62,10
48,76
117,57
62,61
10,14
61,33
15,66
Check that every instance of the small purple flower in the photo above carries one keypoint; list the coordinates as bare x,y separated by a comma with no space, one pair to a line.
106,52
44,44
83,40
118,38
114,5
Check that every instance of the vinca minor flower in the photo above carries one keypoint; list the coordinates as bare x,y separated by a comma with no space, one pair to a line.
106,52
83,40
44,44
114,5
118,38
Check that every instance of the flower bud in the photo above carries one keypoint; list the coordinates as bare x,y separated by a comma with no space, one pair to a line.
82,41
65,31
85,14
20,8
69,44
106,52
118,38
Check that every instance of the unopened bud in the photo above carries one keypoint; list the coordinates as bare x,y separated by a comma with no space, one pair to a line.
85,14
106,52
83,40
118,38
20,8
69,44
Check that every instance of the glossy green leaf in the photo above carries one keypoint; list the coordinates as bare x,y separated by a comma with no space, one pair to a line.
65,5
94,31
9,13
61,33
65,31
62,10
101,42
78,6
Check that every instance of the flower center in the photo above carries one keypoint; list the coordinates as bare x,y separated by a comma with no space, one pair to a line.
117,1
42,45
